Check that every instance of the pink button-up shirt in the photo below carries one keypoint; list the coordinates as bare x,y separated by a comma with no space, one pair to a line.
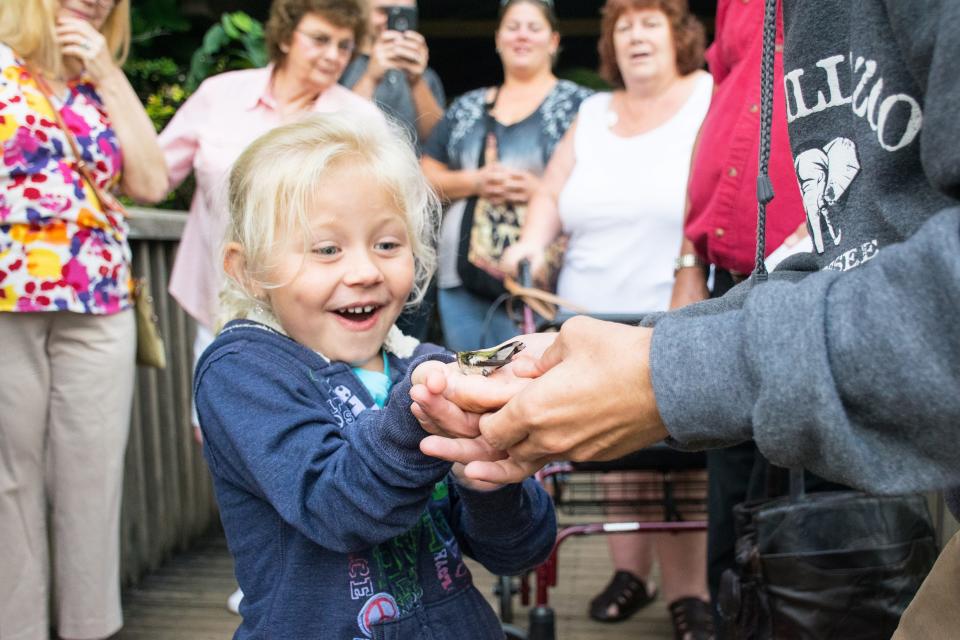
210,130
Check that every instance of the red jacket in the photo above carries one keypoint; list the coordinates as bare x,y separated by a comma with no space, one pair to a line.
722,222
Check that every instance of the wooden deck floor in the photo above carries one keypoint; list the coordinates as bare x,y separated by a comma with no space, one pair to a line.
185,599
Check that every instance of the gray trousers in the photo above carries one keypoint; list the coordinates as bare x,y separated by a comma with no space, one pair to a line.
66,386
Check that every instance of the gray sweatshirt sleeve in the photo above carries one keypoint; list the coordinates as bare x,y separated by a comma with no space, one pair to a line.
854,376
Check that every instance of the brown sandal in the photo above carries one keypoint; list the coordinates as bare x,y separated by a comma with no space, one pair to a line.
626,592
692,619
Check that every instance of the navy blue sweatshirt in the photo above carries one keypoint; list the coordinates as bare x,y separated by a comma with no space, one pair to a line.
339,526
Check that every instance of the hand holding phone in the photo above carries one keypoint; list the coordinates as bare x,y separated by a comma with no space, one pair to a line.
401,18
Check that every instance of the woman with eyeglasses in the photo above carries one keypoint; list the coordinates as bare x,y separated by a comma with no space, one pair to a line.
617,187
530,112
68,120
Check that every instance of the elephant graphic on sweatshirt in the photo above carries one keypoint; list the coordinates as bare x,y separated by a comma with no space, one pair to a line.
824,176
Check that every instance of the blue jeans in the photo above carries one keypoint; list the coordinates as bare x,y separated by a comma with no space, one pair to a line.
463,317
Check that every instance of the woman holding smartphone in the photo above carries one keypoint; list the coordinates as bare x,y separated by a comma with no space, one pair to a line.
617,187
531,110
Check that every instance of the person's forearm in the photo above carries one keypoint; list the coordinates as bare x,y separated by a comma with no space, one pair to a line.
144,169
453,185
429,111
542,224
853,376
689,282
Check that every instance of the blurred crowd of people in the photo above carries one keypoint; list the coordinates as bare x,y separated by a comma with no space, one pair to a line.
649,188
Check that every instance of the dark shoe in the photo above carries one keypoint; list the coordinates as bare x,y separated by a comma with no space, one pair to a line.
692,619
624,596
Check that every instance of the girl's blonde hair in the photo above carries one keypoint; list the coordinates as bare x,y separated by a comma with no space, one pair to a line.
29,28
274,182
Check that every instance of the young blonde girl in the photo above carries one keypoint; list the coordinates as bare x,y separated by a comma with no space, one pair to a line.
340,527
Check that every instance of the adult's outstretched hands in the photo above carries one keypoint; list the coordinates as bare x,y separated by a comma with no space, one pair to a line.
589,396
449,403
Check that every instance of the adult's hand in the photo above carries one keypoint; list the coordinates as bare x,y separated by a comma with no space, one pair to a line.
490,183
593,400
78,39
529,251
520,186
449,403
144,175
410,54
382,56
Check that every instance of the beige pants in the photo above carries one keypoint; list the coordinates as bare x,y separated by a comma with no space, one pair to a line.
934,613
66,385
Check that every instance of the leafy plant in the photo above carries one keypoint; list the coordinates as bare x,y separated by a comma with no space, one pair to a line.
584,77
154,19
236,42
162,40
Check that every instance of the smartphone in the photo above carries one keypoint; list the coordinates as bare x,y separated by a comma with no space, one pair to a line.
401,18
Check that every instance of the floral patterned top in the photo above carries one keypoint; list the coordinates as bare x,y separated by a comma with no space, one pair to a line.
59,250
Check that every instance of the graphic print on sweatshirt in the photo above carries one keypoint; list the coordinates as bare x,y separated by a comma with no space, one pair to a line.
827,168
824,176
390,579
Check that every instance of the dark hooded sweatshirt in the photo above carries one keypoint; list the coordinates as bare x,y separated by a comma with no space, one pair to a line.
847,361
339,526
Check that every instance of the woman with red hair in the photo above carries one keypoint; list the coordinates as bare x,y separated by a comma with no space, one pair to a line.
616,186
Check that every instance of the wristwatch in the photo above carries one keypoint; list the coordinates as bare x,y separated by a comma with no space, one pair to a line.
687,260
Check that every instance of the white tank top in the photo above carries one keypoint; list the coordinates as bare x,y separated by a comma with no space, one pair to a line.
623,207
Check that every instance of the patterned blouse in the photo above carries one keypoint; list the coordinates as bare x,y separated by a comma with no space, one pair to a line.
59,251
526,145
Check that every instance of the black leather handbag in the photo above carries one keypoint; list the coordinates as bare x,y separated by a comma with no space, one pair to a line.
829,565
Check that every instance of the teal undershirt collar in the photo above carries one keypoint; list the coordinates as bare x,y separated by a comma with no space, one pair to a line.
378,384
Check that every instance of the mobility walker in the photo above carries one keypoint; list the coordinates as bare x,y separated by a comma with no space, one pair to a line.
642,492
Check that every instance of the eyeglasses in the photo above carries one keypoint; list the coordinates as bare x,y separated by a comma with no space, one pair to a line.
323,41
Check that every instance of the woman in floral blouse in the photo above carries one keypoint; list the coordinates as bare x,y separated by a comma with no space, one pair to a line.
67,331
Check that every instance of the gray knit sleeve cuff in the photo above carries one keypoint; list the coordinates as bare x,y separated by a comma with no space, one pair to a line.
703,388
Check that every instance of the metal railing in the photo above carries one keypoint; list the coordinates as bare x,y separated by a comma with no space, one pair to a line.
167,496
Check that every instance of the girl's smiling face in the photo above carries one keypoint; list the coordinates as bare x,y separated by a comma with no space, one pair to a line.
341,289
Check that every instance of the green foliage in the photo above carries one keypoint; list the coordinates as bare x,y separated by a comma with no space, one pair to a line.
153,72
159,84
236,42
154,19
584,77
160,52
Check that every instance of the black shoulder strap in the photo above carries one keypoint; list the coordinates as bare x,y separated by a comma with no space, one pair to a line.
488,123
